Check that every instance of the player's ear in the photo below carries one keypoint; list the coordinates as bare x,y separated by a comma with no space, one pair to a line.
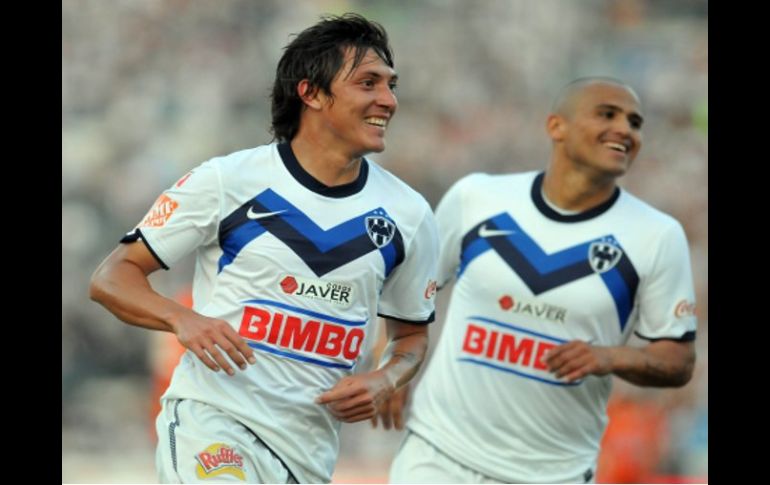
556,126
309,94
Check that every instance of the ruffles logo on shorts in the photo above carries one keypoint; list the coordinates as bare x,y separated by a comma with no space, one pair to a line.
219,459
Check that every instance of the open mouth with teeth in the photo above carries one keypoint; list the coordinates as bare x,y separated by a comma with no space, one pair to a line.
618,147
381,122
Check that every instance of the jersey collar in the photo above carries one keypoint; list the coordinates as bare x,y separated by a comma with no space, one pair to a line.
537,197
308,181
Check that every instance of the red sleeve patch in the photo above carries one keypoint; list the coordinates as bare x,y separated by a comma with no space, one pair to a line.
160,212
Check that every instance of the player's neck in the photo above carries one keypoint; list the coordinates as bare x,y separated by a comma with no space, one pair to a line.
329,166
573,190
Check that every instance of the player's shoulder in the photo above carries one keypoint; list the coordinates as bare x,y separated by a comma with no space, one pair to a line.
484,183
236,160
396,188
642,212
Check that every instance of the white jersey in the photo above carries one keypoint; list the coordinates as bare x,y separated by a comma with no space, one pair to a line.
301,271
528,279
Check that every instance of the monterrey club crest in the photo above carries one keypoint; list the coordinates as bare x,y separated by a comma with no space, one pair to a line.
380,230
603,256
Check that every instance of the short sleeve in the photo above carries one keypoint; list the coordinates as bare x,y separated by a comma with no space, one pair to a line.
409,292
449,218
666,296
183,218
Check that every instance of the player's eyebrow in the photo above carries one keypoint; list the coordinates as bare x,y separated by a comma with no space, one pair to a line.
376,75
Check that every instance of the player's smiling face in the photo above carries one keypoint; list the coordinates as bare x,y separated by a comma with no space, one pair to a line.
604,130
363,105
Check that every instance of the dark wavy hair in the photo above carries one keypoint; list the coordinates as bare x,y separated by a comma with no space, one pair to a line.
317,54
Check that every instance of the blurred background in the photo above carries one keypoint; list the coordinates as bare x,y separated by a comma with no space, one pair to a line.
153,88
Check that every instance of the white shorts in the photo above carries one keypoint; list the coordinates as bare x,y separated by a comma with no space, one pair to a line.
418,461
197,443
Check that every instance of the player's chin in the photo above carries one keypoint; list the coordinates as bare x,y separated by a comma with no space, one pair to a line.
375,143
377,147
616,168
618,171
367,148
621,163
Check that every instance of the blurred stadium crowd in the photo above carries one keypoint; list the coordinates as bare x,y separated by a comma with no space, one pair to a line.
152,88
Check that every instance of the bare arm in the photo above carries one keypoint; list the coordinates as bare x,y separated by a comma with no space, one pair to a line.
120,284
405,352
357,397
664,363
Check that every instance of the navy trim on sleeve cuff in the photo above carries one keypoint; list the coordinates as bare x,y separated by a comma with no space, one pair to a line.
687,337
135,235
430,319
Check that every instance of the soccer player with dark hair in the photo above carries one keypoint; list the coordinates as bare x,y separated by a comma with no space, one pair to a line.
299,246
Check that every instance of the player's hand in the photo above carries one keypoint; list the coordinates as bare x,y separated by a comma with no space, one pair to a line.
392,410
577,359
357,397
210,339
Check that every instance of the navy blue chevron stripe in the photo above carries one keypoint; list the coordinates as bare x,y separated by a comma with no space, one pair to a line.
236,239
622,281
322,250
393,252
472,248
322,240
541,271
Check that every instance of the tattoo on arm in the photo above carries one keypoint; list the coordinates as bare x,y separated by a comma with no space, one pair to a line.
407,356
660,372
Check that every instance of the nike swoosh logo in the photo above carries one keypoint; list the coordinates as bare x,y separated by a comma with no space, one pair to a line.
484,232
261,215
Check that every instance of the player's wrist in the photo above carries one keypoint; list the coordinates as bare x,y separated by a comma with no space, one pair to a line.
621,359
174,317
389,376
